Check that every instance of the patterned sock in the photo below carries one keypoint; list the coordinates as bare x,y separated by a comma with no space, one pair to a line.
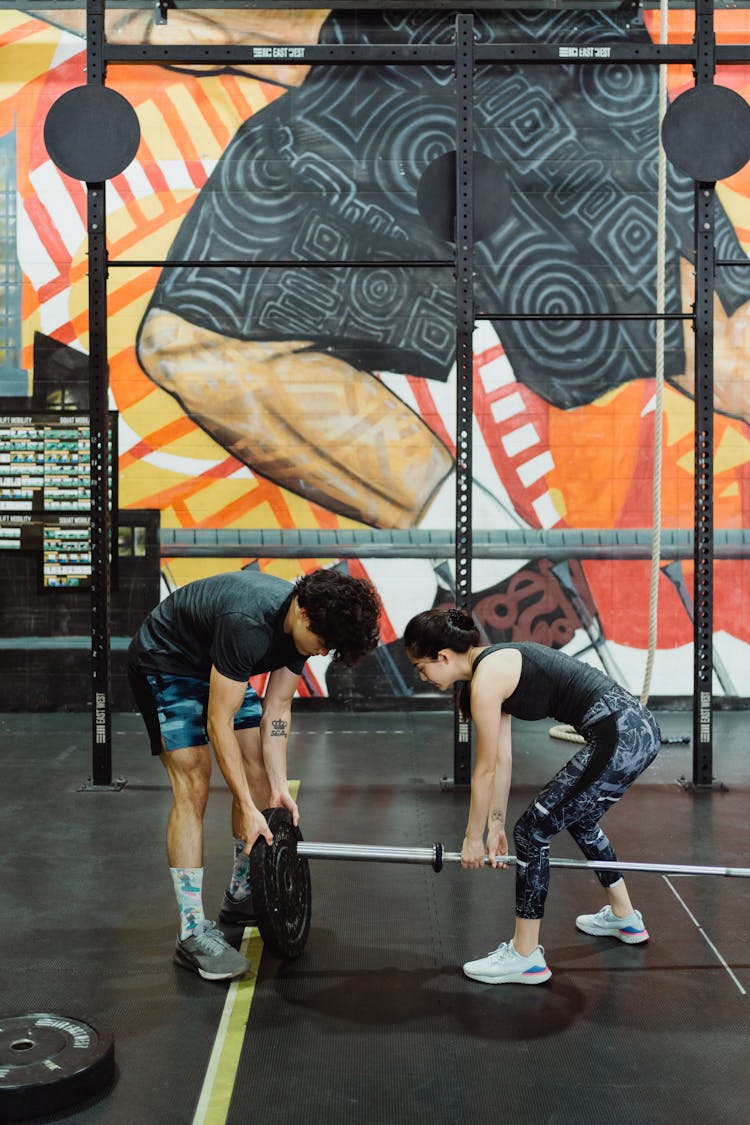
188,887
239,884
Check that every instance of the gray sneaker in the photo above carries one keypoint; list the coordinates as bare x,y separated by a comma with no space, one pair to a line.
238,911
631,930
208,953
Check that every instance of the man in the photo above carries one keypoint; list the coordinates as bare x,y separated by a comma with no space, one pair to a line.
189,666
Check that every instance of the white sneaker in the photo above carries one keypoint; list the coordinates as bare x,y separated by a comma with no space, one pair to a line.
606,924
505,966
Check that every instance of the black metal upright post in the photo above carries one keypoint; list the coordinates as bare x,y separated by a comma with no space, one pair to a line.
704,405
101,767
464,351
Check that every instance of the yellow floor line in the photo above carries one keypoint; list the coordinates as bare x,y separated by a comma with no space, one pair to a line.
213,1104
221,1072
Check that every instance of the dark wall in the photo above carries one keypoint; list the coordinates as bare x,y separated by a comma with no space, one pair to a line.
45,649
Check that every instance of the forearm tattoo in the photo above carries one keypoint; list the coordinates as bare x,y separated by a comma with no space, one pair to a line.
279,728
496,817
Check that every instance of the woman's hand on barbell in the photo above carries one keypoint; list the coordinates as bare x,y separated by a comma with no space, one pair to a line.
472,852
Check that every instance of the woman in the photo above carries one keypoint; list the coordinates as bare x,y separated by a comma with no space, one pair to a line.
530,681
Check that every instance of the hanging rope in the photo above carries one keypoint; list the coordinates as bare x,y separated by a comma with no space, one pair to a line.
563,730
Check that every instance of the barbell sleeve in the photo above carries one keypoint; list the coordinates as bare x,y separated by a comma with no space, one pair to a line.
436,856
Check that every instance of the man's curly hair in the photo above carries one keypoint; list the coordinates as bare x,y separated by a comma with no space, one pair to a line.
343,611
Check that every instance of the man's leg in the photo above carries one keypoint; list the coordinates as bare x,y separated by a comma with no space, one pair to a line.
189,772
238,908
200,946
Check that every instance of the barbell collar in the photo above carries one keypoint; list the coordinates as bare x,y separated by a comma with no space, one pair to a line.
436,856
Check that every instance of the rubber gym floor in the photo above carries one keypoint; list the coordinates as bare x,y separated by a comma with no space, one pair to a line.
375,1023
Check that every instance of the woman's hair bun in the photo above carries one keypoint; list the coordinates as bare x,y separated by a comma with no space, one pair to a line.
458,619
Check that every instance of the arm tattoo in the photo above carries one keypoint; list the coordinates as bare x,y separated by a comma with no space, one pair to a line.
497,816
278,728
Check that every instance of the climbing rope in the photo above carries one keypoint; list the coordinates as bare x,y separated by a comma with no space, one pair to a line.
563,730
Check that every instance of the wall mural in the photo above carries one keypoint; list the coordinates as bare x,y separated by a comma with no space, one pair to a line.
284,397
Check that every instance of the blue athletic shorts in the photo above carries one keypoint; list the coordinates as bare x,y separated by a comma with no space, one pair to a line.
174,709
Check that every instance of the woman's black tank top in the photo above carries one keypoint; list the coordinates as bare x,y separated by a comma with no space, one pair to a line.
553,685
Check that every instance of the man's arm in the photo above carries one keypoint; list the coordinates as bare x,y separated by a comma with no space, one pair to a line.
224,701
275,726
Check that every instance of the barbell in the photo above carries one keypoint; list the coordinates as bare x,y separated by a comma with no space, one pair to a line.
280,876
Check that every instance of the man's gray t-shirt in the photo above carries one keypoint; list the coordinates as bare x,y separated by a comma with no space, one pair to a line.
234,622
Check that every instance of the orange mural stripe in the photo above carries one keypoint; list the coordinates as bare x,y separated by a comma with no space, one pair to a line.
324,517
152,171
127,294
167,497
22,31
129,382
172,431
182,512
210,115
59,284
141,83
239,101
227,515
179,131
263,492
144,227
279,506
150,443
132,456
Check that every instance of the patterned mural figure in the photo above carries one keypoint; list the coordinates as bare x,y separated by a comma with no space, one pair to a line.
325,173
332,383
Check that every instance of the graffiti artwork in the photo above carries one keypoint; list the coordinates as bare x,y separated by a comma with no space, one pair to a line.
278,396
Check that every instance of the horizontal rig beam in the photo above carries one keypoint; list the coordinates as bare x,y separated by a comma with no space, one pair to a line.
417,543
435,857
439,54
445,5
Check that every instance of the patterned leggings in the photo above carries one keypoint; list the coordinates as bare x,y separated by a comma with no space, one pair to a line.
622,739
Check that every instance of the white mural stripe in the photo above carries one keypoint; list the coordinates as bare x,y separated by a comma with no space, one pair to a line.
54,314
33,258
546,512
507,407
532,471
496,374
56,199
517,441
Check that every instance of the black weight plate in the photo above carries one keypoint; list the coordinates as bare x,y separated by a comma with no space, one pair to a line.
706,132
92,133
281,888
48,1062
436,196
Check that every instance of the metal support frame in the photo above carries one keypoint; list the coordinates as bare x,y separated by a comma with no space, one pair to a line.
703,53
705,199
464,249
101,523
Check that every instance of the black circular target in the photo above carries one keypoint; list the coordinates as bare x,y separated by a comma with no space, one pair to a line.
280,879
92,133
706,132
436,196
50,1061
